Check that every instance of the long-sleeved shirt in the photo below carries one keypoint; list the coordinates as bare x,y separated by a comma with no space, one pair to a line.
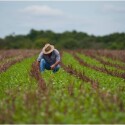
52,59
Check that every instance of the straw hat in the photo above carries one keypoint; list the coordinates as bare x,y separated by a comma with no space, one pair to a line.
48,49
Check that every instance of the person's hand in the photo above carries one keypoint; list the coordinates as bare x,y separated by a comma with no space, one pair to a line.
52,67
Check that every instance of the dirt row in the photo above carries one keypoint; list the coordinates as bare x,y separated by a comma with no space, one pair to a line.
103,95
102,61
5,54
100,69
23,54
34,72
113,54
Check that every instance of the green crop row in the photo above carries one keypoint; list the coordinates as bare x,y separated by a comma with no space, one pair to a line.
16,87
114,61
79,104
106,81
67,99
17,76
94,62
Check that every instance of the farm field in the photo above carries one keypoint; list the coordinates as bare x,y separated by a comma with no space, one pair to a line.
89,88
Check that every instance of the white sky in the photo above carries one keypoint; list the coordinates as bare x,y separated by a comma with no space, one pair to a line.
92,17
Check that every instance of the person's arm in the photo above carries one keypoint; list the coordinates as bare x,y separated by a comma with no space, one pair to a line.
57,60
54,65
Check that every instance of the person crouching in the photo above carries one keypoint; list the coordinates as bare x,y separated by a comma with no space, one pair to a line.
49,59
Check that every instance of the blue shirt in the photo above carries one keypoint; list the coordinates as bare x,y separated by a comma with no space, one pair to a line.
52,59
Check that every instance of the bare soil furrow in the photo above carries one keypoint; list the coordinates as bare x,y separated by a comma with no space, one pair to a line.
104,62
23,55
100,69
34,72
105,96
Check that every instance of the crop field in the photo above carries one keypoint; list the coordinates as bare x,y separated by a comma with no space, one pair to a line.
88,88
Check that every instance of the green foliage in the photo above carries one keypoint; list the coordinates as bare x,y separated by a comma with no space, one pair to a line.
67,99
40,42
67,40
94,62
107,81
17,77
68,43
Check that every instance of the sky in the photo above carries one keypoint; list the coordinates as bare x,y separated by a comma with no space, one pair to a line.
93,17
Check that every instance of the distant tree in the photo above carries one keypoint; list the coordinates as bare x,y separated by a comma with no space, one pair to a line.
68,44
67,40
33,34
39,43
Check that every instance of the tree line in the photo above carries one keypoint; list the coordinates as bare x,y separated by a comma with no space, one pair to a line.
66,40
